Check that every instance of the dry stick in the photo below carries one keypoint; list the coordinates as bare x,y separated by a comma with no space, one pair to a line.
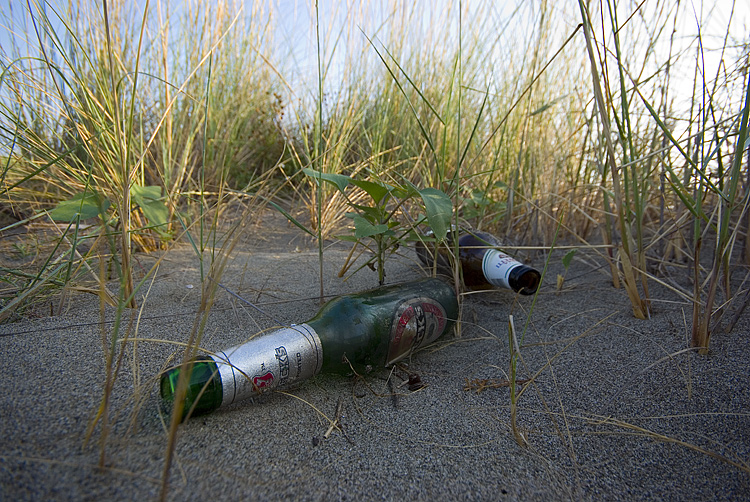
208,295
479,385
596,420
531,381
326,417
743,466
688,381
349,262
109,298
182,383
102,322
741,308
137,403
76,464
566,421
253,305
126,278
515,352
336,417
639,307
631,287
561,351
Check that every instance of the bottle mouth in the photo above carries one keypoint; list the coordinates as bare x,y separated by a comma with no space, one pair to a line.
525,280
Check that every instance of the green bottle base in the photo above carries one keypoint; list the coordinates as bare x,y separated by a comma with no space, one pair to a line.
204,391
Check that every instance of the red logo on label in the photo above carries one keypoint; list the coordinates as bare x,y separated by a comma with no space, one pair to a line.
261,382
417,322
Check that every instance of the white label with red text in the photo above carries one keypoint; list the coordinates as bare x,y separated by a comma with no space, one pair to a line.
497,266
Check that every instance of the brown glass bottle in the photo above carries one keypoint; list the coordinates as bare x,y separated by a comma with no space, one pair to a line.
371,329
482,264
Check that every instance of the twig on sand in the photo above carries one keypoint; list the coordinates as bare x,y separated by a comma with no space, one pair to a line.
481,384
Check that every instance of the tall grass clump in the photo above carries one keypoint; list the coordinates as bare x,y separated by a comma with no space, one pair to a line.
671,164
139,120
122,126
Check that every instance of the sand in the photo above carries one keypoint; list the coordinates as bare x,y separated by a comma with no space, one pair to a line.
619,409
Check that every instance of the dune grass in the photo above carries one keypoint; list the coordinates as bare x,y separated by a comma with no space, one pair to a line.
543,124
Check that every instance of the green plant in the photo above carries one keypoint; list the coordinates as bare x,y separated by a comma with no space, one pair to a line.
379,221
95,116
731,204
566,261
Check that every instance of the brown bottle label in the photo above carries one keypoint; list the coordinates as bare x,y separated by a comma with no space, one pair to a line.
417,322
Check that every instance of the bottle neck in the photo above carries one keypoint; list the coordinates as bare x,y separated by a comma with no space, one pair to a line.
273,360
500,269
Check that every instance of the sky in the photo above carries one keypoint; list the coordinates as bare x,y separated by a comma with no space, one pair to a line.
345,23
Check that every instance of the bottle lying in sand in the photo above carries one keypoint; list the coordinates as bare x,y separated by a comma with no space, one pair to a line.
351,332
483,265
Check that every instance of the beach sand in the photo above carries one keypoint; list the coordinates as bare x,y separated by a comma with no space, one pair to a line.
619,410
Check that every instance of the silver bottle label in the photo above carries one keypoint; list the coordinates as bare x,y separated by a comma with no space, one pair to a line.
274,360
417,322
497,266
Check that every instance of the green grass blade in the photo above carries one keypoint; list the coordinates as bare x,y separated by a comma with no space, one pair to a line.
422,128
292,219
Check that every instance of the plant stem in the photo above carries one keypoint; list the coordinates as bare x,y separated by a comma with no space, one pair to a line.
317,152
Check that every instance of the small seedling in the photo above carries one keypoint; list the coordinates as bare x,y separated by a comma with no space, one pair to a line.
378,222
566,261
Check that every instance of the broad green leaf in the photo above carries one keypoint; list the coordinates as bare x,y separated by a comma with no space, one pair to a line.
375,190
338,180
146,193
404,192
568,258
439,209
149,199
409,189
87,205
371,214
480,198
363,228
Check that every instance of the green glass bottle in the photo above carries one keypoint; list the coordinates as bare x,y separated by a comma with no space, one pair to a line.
361,331
483,266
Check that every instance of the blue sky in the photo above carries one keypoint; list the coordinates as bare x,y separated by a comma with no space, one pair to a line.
341,22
